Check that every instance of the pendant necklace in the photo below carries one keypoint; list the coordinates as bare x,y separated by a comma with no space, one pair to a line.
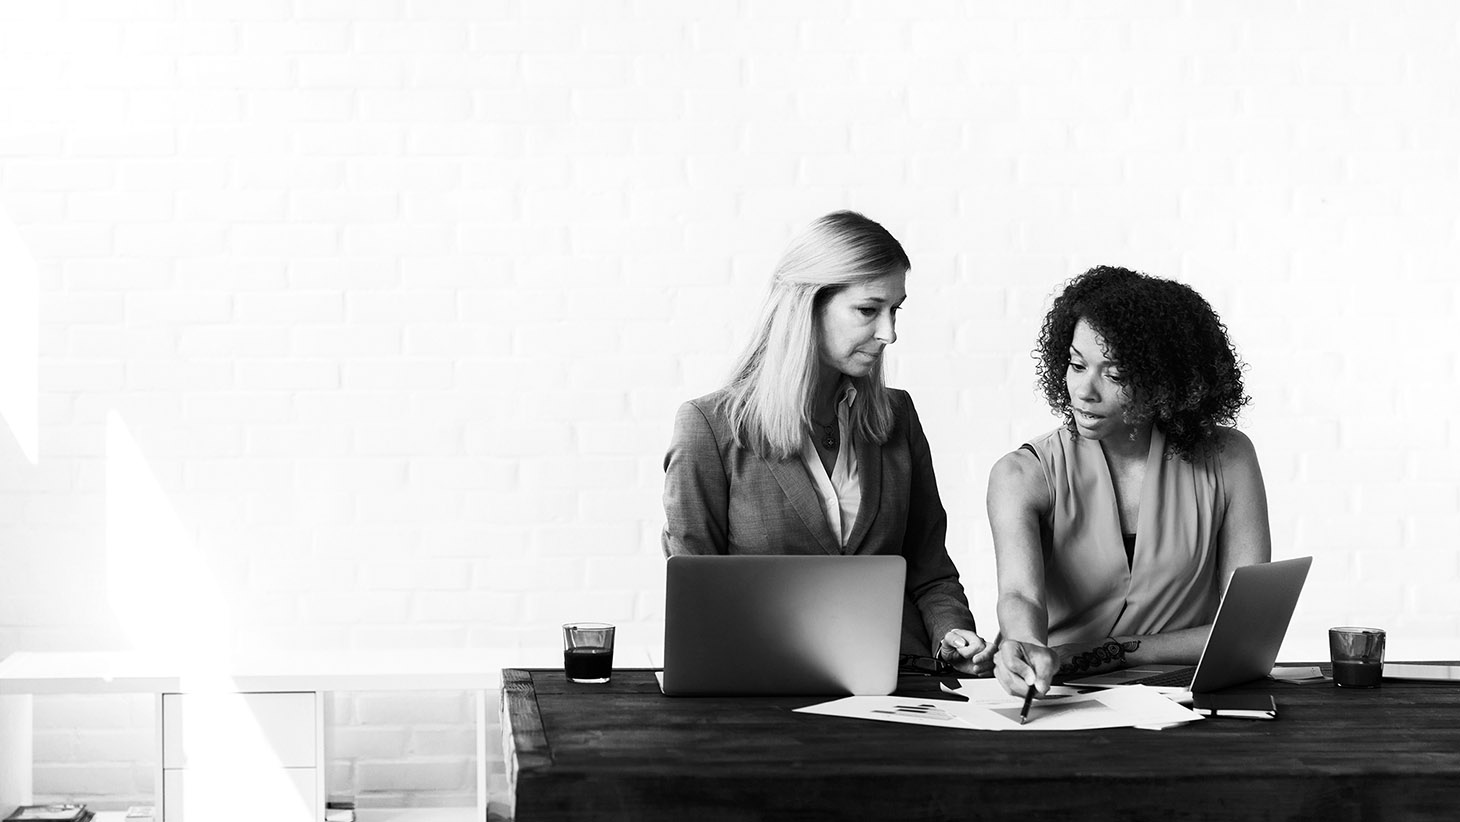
829,438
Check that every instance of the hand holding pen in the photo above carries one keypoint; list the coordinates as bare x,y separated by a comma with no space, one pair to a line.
1025,667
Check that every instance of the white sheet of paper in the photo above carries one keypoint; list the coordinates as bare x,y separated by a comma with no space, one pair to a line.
912,710
990,710
1298,673
990,693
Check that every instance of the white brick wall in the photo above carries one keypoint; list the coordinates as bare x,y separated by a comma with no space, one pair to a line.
398,298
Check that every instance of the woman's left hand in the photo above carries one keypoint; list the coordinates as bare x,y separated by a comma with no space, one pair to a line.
966,652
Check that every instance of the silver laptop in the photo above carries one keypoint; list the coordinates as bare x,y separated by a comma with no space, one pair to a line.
1251,622
785,625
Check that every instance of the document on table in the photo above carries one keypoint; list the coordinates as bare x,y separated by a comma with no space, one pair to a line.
1298,673
988,708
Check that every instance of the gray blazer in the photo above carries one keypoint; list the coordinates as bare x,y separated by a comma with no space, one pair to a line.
720,498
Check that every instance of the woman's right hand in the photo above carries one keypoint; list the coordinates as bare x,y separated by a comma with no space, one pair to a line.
1017,665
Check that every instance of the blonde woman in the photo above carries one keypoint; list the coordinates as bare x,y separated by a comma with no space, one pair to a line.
806,451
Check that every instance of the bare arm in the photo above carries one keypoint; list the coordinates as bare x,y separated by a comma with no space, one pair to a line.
1246,537
1018,497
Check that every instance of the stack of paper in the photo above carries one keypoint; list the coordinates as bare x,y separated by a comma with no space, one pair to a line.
989,708
59,812
1298,673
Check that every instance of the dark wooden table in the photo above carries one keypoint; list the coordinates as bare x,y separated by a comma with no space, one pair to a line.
626,751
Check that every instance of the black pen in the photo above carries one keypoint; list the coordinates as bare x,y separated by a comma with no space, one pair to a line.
1028,700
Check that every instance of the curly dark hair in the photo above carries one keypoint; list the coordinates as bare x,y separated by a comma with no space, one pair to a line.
1172,349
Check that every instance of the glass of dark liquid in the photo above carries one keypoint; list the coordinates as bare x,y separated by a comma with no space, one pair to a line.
1358,656
587,651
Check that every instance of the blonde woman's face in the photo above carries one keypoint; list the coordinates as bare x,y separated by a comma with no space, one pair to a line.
858,322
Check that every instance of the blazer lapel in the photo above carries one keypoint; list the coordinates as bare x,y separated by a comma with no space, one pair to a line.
791,475
869,464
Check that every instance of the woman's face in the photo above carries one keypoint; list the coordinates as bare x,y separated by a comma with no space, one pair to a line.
858,322
1099,396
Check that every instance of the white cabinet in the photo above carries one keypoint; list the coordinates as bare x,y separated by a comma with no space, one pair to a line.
244,755
287,795
281,722
246,740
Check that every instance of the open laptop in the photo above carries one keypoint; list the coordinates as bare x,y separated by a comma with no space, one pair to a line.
1251,622
786,625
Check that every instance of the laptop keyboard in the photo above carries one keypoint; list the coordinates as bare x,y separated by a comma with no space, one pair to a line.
1181,677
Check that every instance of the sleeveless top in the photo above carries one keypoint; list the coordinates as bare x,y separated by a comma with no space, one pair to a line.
1170,583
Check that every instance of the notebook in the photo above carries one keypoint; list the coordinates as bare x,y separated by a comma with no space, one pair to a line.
1424,671
785,625
1251,622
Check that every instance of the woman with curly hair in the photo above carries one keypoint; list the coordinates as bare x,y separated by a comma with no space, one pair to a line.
1116,533
806,451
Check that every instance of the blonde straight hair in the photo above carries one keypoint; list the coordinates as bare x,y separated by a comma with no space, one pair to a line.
776,378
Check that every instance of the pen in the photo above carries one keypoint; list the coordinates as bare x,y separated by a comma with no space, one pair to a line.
1028,700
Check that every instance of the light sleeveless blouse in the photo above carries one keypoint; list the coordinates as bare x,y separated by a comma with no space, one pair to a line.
1090,591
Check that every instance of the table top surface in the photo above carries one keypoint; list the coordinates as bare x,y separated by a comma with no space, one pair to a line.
650,752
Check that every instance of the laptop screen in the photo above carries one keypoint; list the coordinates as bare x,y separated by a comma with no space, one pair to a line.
782,624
